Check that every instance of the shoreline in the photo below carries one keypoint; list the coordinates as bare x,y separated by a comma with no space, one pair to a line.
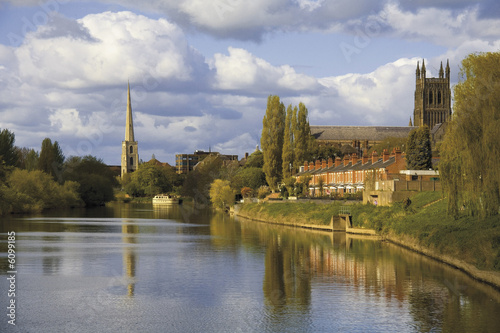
491,278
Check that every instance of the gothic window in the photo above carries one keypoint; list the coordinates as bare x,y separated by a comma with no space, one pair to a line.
131,150
439,97
131,160
430,97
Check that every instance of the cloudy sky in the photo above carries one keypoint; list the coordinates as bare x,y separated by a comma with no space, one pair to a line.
201,71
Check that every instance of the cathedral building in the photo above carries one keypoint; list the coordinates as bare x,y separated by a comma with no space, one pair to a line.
130,153
432,97
432,108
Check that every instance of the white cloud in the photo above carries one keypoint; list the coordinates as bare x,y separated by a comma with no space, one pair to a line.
241,70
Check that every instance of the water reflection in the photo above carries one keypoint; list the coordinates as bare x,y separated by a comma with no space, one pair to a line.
129,232
182,268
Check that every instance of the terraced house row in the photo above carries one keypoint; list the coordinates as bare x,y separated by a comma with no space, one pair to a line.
350,175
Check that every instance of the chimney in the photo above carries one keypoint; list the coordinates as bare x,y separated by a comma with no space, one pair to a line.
318,164
306,166
374,157
338,161
246,156
364,159
354,159
330,162
346,160
311,166
323,164
397,154
385,155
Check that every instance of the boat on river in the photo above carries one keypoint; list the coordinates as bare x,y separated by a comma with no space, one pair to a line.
166,199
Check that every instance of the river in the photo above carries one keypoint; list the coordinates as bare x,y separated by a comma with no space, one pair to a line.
138,268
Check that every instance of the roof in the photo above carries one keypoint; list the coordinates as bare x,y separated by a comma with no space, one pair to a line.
371,133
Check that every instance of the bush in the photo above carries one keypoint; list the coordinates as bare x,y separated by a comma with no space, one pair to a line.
263,192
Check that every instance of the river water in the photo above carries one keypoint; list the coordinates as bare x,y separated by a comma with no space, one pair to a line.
138,268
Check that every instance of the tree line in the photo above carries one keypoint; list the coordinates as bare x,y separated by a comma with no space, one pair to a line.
31,181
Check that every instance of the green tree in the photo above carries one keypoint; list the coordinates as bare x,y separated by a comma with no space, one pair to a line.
271,141
51,159
249,177
287,154
221,194
470,152
197,183
303,142
418,149
255,160
28,159
8,151
96,181
34,191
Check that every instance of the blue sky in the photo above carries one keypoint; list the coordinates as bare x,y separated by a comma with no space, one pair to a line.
201,71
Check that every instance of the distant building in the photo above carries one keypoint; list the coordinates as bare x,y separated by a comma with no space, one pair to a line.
432,97
432,108
130,153
361,137
185,163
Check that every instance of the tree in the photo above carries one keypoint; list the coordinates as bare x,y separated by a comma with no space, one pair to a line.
271,141
51,159
28,159
255,160
221,194
418,149
197,183
249,177
470,152
7,149
302,137
95,179
287,154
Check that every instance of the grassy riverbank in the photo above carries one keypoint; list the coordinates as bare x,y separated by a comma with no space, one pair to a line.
424,223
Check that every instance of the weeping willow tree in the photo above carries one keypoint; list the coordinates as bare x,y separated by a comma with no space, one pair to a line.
470,153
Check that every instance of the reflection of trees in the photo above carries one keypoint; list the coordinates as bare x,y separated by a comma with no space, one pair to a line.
287,279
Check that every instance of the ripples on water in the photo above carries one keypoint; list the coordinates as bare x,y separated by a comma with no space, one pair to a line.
129,268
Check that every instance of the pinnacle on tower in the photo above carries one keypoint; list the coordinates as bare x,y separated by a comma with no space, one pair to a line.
129,126
441,72
447,68
418,70
423,68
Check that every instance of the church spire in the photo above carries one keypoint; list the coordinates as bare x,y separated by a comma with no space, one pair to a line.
129,126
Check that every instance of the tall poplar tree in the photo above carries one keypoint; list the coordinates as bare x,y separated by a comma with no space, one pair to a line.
470,152
51,159
271,141
288,143
302,136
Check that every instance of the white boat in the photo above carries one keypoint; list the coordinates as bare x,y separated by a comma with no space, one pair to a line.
165,199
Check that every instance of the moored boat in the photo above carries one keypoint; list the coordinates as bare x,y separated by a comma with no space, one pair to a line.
165,199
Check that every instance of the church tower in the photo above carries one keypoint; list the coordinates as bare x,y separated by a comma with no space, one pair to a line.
432,97
130,154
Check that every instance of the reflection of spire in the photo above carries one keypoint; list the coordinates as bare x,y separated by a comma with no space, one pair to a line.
129,256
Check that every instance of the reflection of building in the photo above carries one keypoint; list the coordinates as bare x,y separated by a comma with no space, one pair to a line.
130,154
185,163
129,257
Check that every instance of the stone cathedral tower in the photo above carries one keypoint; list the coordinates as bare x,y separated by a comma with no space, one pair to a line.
130,154
432,97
